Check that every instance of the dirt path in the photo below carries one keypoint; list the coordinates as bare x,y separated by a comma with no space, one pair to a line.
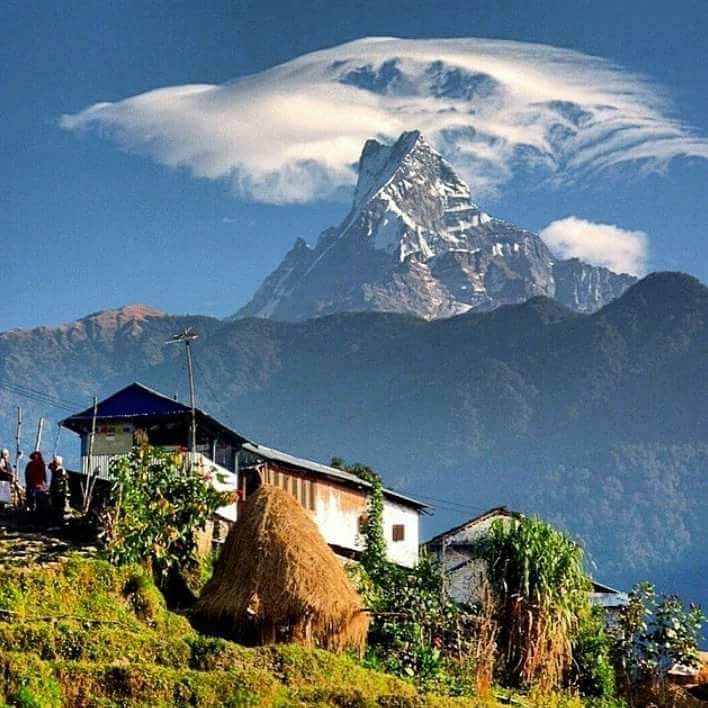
23,543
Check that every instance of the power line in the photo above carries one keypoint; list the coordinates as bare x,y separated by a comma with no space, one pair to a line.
39,396
33,392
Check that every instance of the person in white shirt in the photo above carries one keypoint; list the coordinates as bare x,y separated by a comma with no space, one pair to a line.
7,477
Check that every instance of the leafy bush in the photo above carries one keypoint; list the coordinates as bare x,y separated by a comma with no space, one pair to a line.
654,633
592,672
415,630
157,508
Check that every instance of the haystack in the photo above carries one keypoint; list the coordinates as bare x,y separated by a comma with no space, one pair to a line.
278,580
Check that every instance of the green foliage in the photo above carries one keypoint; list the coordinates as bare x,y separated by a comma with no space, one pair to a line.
54,651
654,633
373,557
592,672
417,632
28,682
542,592
157,509
533,560
356,468
415,629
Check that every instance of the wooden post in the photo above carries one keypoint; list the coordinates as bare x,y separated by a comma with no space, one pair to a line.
188,336
18,441
18,497
38,439
89,484
192,401
56,440
444,568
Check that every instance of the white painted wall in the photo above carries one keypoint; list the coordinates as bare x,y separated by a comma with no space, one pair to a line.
337,516
465,571
404,552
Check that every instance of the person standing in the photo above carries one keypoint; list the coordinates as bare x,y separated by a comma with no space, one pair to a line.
58,489
7,477
35,479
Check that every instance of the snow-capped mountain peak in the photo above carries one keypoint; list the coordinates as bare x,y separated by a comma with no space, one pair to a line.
414,241
415,201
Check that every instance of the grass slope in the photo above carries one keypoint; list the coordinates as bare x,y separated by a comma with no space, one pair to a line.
83,633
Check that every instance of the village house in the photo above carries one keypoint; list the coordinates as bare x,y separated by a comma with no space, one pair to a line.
167,423
336,499
459,553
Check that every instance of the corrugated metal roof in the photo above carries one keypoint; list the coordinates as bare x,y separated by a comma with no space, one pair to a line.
131,401
279,456
302,463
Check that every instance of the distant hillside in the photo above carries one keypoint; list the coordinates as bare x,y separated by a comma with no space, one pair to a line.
599,422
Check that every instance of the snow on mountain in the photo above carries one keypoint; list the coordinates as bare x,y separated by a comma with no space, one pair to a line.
415,242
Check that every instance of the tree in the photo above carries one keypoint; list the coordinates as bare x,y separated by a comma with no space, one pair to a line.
415,629
655,632
157,508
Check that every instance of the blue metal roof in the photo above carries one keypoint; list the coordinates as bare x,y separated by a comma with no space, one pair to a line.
133,400
136,400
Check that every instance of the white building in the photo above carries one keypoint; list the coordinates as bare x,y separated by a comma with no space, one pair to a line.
336,499
459,552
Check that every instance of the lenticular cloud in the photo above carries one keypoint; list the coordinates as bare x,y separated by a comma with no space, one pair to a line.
495,108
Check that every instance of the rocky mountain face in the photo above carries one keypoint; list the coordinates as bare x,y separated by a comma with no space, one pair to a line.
596,422
414,242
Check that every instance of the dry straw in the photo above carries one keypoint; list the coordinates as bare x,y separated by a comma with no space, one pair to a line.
278,580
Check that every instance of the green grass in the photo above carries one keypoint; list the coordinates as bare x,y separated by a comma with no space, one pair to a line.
85,633
54,652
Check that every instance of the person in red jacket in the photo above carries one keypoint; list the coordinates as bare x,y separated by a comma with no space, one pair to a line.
35,479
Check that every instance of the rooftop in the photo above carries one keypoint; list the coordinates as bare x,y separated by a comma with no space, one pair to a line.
136,401
335,473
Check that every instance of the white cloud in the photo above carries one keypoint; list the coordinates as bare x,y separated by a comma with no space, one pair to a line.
606,245
294,132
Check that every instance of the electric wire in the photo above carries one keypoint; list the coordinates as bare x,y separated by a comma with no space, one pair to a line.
40,396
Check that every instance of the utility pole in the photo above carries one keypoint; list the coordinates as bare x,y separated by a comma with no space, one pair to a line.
187,337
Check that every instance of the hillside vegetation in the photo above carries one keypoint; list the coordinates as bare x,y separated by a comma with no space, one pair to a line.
84,633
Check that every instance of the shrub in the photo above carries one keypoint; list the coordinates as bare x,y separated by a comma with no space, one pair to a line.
157,507
415,630
592,672
654,633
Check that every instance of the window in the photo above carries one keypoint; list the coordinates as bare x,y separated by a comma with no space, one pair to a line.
398,532
362,523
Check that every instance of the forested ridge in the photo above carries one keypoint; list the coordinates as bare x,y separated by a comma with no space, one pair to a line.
597,422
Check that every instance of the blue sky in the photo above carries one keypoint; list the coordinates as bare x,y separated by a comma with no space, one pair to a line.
86,225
